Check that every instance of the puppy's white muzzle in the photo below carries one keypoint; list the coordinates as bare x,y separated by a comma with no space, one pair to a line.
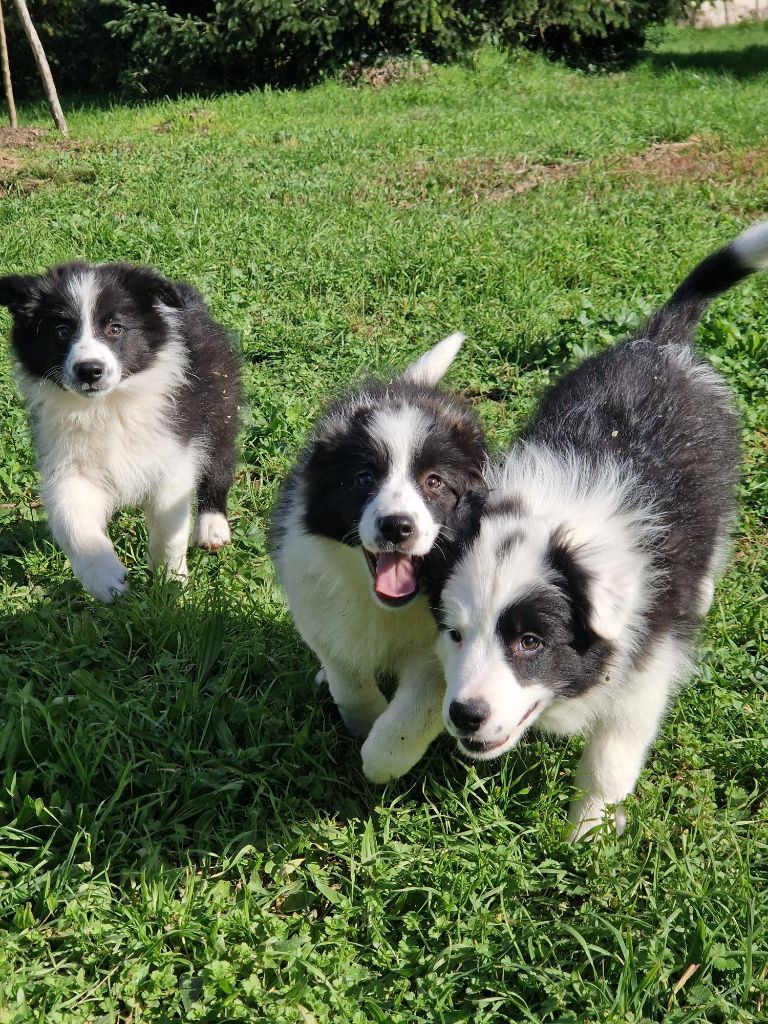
489,714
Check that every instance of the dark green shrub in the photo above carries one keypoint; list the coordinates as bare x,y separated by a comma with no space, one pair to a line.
79,47
149,47
604,33
282,42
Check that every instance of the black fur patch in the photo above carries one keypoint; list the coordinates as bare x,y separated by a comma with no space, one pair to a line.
564,662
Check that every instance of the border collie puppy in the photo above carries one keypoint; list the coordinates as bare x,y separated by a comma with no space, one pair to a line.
577,585
363,506
133,393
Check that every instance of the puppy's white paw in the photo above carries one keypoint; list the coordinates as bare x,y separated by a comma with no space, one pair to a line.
104,576
172,565
177,570
211,531
586,821
382,764
321,678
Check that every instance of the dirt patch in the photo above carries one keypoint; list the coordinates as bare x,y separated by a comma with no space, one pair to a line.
21,138
29,159
700,158
198,120
9,163
386,72
478,178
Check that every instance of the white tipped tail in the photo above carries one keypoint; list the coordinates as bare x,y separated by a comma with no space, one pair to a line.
751,247
433,365
676,321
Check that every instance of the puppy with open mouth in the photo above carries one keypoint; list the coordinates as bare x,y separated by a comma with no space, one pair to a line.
365,503
570,596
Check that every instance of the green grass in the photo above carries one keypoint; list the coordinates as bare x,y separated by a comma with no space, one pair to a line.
185,833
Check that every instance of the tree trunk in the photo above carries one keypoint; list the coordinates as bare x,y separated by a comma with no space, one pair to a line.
42,65
7,86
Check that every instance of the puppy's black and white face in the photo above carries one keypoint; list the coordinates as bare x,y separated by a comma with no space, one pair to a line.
385,472
87,328
517,629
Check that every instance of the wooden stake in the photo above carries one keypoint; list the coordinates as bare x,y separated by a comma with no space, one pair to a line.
7,86
42,65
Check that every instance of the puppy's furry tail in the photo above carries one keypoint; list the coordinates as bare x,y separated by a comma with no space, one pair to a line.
676,321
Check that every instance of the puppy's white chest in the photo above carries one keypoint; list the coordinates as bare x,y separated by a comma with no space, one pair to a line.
329,593
125,448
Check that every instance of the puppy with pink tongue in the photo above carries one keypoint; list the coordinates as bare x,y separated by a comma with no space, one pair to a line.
395,577
365,503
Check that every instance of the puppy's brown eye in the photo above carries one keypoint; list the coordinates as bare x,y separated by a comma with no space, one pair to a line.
62,332
114,330
364,478
433,482
455,635
528,643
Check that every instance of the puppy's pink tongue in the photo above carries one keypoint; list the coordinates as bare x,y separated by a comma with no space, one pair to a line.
395,576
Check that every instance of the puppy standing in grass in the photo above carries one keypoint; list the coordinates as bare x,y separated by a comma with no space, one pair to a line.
364,505
133,392
576,588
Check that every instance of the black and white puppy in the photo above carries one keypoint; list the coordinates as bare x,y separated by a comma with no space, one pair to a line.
133,392
578,585
363,506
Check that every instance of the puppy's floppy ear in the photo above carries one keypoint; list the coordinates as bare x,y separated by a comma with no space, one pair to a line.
604,588
147,283
17,289
166,292
464,519
460,529
433,365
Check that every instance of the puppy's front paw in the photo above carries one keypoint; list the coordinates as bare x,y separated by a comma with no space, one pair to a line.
587,820
382,764
104,576
211,531
171,564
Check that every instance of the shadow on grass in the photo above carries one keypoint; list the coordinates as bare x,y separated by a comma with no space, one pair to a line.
745,63
167,730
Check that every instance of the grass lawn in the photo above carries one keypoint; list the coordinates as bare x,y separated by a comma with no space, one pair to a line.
185,832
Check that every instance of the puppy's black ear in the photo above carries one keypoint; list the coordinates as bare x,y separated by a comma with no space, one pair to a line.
16,289
459,530
189,297
464,520
573,581
147,284
164,291
170,294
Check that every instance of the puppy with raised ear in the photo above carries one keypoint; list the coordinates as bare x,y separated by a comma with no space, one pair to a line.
133,391
572,596
365,503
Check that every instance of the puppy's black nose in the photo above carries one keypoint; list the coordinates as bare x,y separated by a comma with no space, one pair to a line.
89,371
396,528
469,715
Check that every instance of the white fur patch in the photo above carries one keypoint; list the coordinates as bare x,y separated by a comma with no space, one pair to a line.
618,741
211,531
751,247
430,368
87,347
401,432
